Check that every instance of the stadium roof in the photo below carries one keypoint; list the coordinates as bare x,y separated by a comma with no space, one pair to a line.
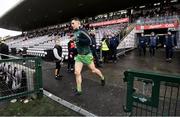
33,14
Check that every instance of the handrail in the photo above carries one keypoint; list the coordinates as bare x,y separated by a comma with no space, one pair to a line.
10,56
131,28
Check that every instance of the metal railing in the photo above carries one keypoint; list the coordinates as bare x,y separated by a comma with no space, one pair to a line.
152,94
20,78
126,31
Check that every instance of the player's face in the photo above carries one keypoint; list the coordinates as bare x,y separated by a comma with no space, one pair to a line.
75,24
152,34
57,42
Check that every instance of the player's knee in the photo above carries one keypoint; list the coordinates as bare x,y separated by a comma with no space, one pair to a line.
77,72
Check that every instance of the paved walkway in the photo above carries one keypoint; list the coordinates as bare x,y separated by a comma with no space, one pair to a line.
108,100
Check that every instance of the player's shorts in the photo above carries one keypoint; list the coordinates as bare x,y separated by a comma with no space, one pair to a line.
86,59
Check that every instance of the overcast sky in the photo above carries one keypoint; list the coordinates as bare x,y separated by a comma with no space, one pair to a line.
5,6
4,32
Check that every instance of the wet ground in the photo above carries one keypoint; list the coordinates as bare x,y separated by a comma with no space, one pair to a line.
108,100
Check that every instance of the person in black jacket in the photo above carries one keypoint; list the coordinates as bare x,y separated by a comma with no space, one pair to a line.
142,44
57,51
72,52
153,40
4,49
113,44
169,43
94,51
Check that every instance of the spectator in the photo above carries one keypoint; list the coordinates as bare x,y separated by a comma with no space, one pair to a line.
4,49
57,51
94,51
152,44
72,52
169,44
114,42
105,48
142,44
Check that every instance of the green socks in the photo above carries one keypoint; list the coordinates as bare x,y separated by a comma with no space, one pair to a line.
79,88
102,78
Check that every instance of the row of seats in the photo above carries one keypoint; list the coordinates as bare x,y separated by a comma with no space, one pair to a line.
47,42
27,43
64,41
37,52
110,30
157,20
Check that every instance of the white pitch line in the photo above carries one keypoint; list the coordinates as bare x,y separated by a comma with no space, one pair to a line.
68,104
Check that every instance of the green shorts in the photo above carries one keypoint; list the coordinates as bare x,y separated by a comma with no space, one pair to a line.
86,59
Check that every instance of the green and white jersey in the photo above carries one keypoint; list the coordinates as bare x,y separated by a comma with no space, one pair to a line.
82,42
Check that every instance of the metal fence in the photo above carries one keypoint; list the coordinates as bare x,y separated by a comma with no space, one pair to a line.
20,78
152,94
